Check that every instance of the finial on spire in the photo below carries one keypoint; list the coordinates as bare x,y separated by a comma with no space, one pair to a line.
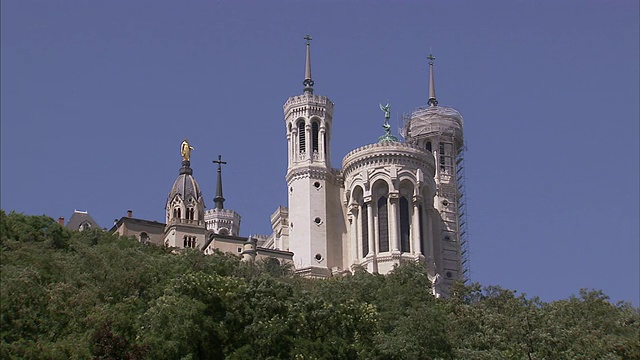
219,200
308,82
432,83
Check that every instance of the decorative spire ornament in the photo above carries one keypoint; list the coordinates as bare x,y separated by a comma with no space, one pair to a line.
432,83
308,82
387,128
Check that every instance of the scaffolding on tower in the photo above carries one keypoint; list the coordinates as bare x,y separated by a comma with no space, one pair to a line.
462,214
443,121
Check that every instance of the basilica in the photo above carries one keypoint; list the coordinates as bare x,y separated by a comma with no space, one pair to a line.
389,201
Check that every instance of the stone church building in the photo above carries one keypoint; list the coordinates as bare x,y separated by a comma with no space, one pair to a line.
390,201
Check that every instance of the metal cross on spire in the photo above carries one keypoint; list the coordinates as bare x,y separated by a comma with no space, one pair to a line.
219,200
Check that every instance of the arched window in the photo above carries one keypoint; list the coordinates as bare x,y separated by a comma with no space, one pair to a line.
429,146
404,225
301,137
144,238
315,135
179,214
185,242
365,229
383,225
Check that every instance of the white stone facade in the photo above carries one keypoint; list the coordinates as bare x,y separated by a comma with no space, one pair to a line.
390,201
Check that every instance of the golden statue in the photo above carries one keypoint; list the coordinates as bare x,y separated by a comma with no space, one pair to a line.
185,150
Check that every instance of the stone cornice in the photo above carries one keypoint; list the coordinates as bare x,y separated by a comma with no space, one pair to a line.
387,153
313,172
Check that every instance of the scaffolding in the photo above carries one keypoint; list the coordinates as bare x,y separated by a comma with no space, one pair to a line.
462,214
446,124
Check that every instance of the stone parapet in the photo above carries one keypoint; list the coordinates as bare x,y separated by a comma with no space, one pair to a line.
387,153
308,105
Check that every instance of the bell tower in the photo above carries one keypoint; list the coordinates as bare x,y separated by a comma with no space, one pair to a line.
311,182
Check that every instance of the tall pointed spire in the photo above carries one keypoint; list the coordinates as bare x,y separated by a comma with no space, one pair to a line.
432,83
219,200
308,82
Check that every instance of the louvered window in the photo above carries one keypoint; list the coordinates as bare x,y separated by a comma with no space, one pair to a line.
302,137
315,135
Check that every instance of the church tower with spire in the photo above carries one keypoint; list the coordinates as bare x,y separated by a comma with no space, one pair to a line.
314,233
220,220
185,227
439,130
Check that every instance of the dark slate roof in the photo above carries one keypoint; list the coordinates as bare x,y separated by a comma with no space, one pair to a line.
128,220
79,219
185,186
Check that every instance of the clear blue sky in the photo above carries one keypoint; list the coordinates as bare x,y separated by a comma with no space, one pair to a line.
98,95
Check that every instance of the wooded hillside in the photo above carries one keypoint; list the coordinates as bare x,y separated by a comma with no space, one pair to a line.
90,294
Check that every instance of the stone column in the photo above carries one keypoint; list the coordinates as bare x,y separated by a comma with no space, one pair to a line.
416,227
394,227
294,144
289,149
353,233
307,141
372,229
321,144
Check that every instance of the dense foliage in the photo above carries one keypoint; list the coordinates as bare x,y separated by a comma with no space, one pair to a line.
90,294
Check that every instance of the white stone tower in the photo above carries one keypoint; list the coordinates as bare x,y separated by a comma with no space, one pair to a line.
314,233
185,208
438,130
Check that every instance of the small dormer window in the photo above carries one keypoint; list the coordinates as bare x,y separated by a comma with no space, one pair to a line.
84,226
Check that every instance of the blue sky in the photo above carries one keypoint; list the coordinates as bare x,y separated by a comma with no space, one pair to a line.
97,96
